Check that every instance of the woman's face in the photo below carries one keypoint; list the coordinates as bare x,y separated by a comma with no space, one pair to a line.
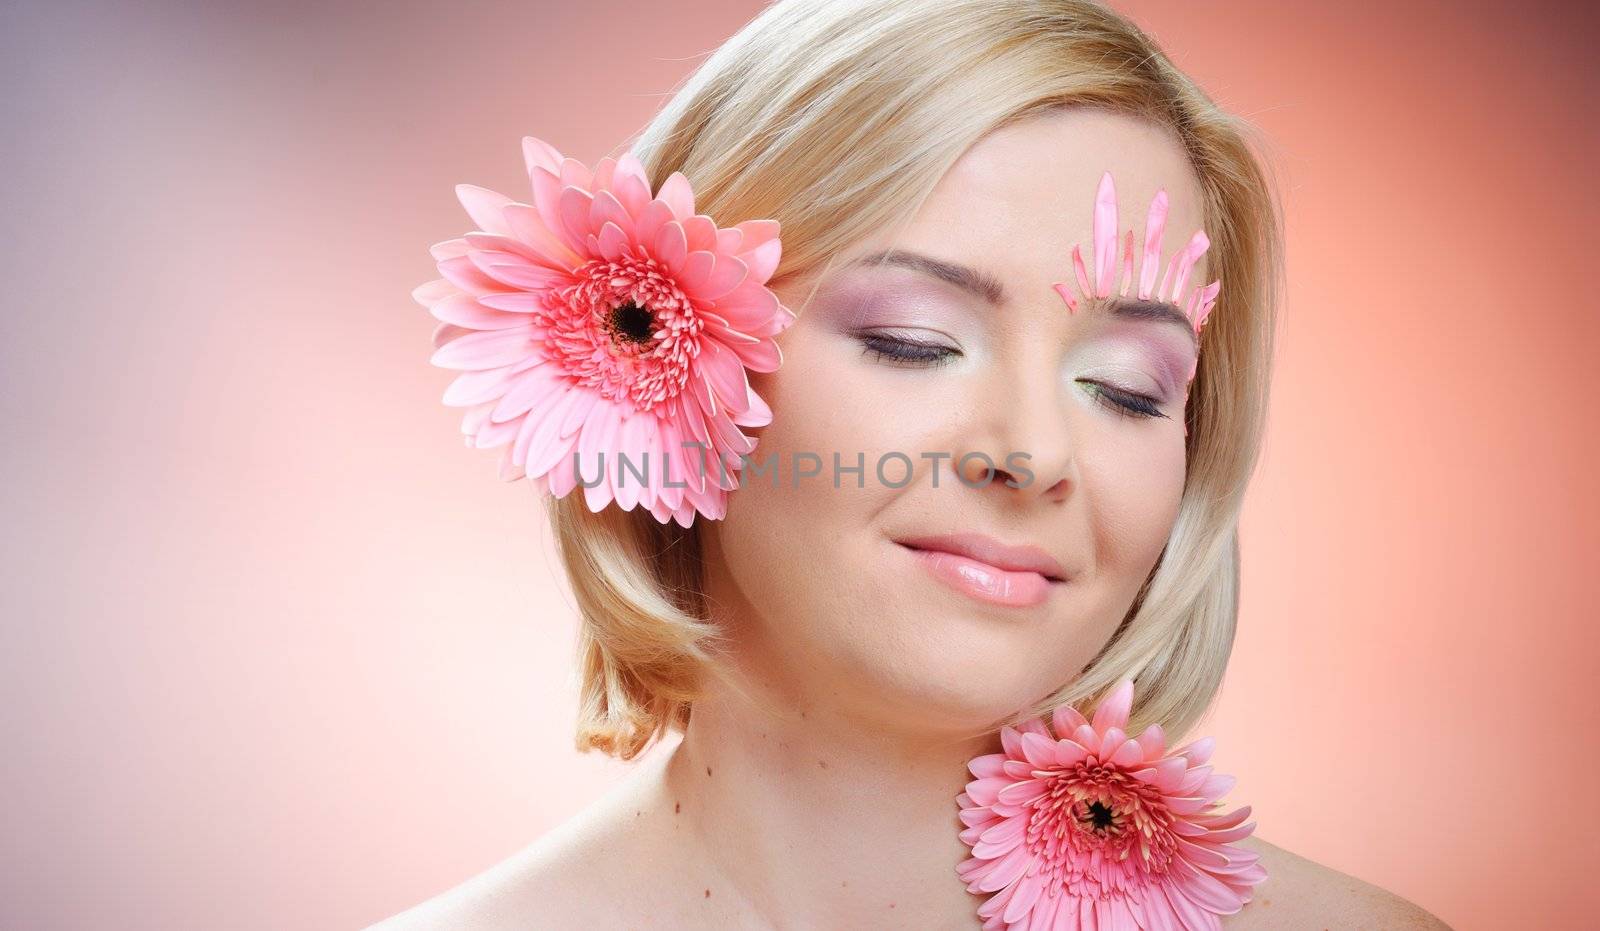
825,601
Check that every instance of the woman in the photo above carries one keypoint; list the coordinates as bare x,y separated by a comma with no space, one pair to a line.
839,645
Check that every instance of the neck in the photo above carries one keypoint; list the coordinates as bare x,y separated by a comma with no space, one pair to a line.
811,819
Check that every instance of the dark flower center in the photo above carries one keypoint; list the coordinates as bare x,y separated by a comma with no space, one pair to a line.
1098,816
631,322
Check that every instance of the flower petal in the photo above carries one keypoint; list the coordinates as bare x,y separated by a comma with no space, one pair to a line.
1191,254
461,272
723,371
763,260
1217,785
1111,741
575,173
1039,751
986,791
535,389
1186,805
516,302
1150,263
695,271
1201,855
1023,793
464,310
1011,741
450,248
596,440
537,153
509,270
476,387
1113,711
729,240
1198,751
484,207
702,233
613,241
631,185
486,349
726,274
760,355
671,248
574,204
1231,834
1166,774
754,309
445,332
1006,870
1022,901
648,222
545,447
1105,235
1129,754
605,208
528,227
757,232
1066,719
1217,822
1036,726
1070,752
1187,911
1153,741
677,194
433,292
1205,890
547,200
1005,830
987,765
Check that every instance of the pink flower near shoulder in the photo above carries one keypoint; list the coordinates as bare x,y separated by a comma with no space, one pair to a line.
1087,828
601,328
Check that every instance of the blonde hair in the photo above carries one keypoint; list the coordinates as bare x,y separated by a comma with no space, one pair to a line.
837,119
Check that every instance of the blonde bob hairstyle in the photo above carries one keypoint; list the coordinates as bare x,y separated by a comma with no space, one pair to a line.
837,119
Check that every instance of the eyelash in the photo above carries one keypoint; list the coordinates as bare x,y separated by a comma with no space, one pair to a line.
921,355
1137,406
925,355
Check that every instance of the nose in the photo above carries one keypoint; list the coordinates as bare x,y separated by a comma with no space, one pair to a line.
1020,444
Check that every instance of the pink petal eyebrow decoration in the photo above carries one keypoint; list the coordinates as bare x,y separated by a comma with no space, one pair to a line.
1197,306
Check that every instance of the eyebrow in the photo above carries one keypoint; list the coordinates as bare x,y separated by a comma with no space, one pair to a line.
971,280
988,287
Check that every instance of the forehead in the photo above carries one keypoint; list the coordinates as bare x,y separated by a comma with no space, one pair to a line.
1020,198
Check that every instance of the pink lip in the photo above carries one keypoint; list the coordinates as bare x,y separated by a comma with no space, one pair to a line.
988,570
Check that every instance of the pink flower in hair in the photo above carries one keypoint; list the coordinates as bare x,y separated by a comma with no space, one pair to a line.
1087,828
603,327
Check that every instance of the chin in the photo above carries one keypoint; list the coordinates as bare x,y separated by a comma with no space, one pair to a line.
943,672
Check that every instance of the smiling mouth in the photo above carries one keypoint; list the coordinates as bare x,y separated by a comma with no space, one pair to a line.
1047,576
986,583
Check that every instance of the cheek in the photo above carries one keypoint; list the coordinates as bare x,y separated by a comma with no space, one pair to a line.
827,400
780,535
1133,483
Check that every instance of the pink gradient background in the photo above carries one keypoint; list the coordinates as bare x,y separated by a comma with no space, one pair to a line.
280,653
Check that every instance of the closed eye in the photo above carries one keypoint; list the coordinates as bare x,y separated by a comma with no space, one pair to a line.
1125,403
914,354
906,352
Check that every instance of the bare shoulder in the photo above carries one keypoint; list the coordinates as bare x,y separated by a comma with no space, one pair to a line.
585,872
1300,893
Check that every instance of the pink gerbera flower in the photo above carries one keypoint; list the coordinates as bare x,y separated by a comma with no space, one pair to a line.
1090,829
601,328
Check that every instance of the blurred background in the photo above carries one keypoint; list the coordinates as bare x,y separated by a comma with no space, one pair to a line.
278,652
